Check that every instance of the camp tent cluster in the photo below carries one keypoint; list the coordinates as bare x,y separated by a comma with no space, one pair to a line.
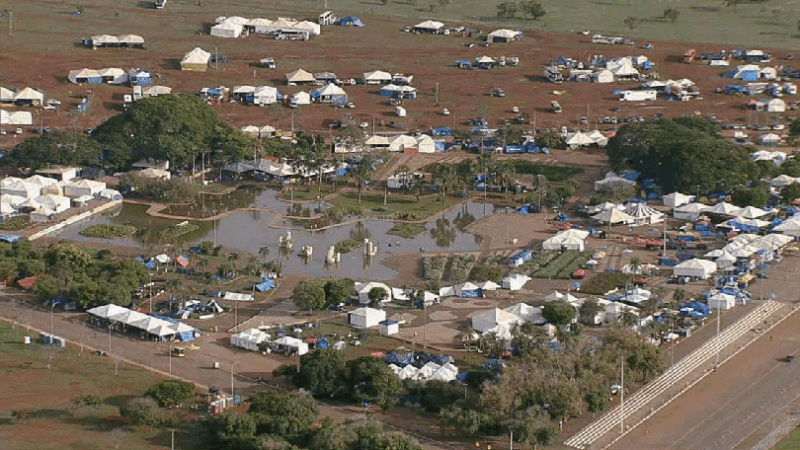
282,28
566,240
430,371
160,328
125,40
26,96
44,197
110,75
256,95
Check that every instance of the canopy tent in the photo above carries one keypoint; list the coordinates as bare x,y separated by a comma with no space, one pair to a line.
503,35
690,211
568,239
527,313
6,95
725,209
238,297
515,281
677,199
196,60
488,321
106,311
401,142
249,339
725,261
752,212
377,141
613,216
783,181
227,29
579,139
643,214
695,268
84,76
301,98
722,301
612,178
290,345
29,95
329,93
363,290
366,317
377,77
468,290
299,76
789,227
429,26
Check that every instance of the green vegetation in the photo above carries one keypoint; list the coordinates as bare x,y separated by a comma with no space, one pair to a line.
108,231
604,282
347,245
790,442
563,266
558,313
538,261
319,294
171,393
486,272
179,229
554,173
397,207
15,224
175,190
682,154
406,230
460,267
433,267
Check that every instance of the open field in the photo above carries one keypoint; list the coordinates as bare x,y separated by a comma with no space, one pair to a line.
45,379
45,47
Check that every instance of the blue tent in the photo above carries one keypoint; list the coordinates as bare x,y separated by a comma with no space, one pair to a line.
351,21
749,75
399,359
441,132
321,344
150,265
10,238
472,293
265,285
514,149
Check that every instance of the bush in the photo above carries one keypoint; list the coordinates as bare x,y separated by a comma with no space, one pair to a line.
604,282
346,245
142,411
486,272
460,267
108,231
406,230
171,392
433,267
558,267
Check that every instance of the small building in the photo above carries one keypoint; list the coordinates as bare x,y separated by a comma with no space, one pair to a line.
366,317
327,18
388,327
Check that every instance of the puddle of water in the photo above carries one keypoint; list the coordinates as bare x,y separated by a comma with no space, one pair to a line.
248,231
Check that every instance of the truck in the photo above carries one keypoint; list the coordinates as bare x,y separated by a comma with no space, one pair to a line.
556,107
160,4
688,57
637,96
553,74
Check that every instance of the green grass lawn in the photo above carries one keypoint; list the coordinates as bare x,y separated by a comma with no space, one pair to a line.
397,203
790,442
109,231
39,383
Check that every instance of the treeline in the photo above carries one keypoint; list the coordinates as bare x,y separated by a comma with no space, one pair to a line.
64,270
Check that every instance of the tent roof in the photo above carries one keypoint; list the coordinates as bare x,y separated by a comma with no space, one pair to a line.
429,25
751,212
107,310
196,56
330,89
641,210
299,76
84,73
696,263
612,215
377,75
377,140
579,138
725,208
29,94
131,39
505,33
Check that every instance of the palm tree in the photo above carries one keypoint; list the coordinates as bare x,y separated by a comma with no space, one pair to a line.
486,165
361,173
504,171
421,184
444,177
628,319
635,265
403,172
263,252
466,172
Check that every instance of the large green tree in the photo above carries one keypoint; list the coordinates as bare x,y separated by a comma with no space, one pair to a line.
558,313
372,381
682,154
177,128
322,373
282,414
55,147
310,295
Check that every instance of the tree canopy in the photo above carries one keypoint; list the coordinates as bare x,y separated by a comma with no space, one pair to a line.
55,147
177,128
681,154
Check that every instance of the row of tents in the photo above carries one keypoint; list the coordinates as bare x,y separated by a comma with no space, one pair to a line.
26,96
107,40
234,27
160,327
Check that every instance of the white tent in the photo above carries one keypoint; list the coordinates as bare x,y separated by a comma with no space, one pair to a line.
363,290
22,189
249,339
677,199
401,142
515,282
29,95
690,211
329,93
266,131
502,35
695,268
783,181
301,98
408,372
429,25
527,312
568,239
81,75
725,261
725,209
610,179
261,26
488,286
107,310
488,321
20,118
643,214
366,317
197,59
612,216
57,203
78,188
377,141
289,344
238,297
789,227
113,75
6,95
299,76
425,144
227,30
579,139
265,95
721,301
377,77
599,138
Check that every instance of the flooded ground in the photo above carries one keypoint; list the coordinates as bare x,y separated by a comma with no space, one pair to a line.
248,231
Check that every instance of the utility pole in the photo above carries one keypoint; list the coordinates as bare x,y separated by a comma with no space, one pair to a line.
622,394
425,326
216,59
437,94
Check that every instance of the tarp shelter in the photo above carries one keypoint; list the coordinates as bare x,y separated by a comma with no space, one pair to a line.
249,339
290,345
677,199
613,216
265,285
238,297
503,35
610,179
363,290
351,21
690,211
366,317
227,30
515,281
196,60
695,268
329,94
377,77
300,76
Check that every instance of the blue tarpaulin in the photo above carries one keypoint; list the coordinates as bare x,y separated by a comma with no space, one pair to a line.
351,21
10,238
321,344
265,285
150,265
441,132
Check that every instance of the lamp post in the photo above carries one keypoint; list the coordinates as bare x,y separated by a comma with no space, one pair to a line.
170,356
232,367
110,325
151,292
52,313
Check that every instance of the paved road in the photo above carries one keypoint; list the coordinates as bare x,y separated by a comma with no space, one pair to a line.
728,406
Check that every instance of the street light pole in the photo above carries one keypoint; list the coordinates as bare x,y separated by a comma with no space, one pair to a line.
52,313
232,367
109,336
170,357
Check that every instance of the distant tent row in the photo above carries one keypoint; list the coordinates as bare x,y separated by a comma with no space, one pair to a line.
125,40
234,27
256,95
154,326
